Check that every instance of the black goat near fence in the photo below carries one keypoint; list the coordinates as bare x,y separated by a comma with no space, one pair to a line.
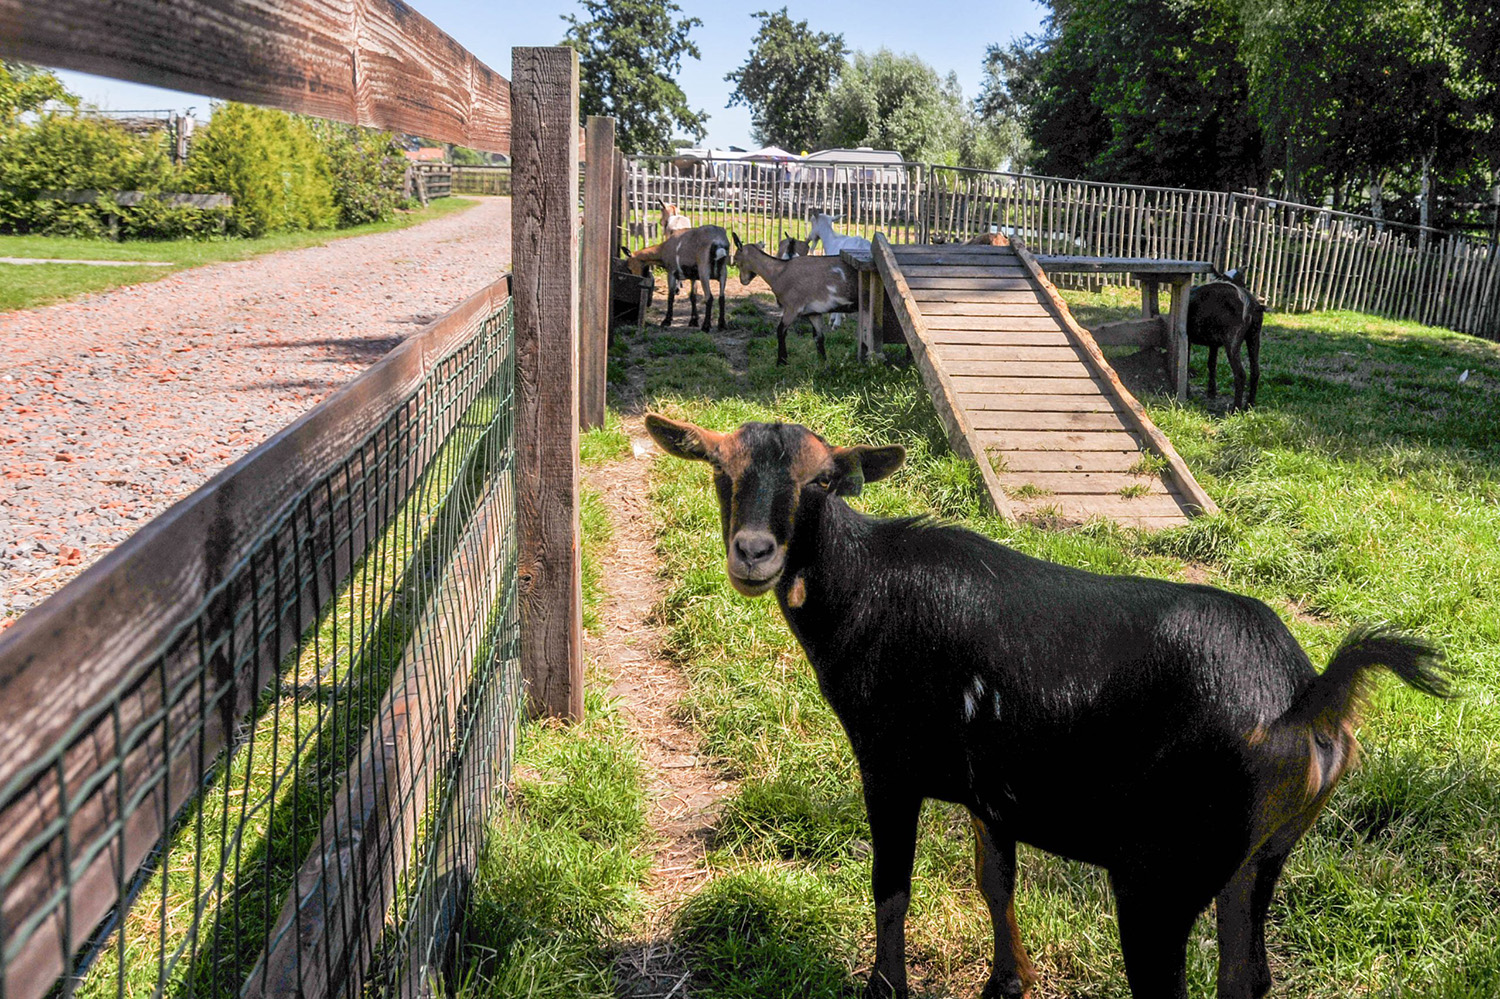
1177,735
1223,313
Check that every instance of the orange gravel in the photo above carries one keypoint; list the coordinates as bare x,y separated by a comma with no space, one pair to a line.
114,406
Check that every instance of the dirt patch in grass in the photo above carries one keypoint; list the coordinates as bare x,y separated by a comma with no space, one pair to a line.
684,790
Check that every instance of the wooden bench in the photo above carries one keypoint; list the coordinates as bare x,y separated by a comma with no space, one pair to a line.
1152,329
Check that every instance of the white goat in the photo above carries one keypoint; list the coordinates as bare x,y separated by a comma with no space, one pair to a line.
804,286
822,232
672,220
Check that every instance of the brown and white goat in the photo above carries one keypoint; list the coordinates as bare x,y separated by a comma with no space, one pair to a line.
804,286
694,255
1174,734
993,238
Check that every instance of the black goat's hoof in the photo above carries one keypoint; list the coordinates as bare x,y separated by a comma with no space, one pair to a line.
1011,988
879,988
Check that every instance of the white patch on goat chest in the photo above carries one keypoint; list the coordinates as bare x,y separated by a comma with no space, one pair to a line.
973,693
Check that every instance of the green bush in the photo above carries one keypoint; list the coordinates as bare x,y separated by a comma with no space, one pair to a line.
284,172
271,164
367,170
67,152
153,219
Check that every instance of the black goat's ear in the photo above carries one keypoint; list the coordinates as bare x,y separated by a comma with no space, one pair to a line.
683,440
860,464
737,243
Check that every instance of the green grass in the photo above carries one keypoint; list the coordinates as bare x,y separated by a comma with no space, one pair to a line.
605,444
26,286
559,880
1365,486
261,810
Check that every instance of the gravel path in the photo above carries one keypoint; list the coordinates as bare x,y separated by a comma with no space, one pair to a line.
114,406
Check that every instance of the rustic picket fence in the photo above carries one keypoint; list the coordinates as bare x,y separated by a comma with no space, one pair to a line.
254,751
1296,257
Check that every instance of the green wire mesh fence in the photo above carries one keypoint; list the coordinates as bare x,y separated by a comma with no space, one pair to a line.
284,797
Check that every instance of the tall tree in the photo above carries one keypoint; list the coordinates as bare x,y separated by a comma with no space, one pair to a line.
786,81
1142,91
630,52
898,102
1006,93
1355,90
25,88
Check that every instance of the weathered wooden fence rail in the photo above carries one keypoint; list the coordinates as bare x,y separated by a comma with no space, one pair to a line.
1296,257
254,750
480,179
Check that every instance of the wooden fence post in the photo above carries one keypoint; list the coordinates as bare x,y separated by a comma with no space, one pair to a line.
598,245
622,207
544,262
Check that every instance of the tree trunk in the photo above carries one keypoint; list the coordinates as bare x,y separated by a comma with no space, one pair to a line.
1424,200
1495,208
1377,199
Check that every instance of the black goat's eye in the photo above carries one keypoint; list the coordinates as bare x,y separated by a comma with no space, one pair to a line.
824,481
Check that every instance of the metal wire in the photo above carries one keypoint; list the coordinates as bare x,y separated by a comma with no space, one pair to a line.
368,727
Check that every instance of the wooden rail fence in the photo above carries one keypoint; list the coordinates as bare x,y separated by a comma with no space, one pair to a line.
359,608
1296,257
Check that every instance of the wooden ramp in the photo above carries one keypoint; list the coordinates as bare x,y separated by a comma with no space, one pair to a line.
1026,391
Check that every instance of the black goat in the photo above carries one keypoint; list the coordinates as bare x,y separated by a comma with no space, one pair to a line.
1224,314
1176,735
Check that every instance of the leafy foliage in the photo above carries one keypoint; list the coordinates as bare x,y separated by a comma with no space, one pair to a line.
63,150
1140,91
26,88
898,102
629,53
786,80
1312,98
284,172
272,166
1360,93
366,169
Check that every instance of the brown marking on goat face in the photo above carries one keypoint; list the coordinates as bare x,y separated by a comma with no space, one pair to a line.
812,459
796,596
731,456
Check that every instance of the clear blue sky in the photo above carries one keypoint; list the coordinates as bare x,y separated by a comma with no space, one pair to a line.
948,34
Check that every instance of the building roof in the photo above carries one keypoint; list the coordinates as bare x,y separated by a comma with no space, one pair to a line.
864,154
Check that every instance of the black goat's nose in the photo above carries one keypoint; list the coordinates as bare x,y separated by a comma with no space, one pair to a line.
751,548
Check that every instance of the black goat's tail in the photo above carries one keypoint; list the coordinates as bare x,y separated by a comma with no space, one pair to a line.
1337,693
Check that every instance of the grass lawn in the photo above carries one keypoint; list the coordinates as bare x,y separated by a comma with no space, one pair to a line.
25,286
1364,487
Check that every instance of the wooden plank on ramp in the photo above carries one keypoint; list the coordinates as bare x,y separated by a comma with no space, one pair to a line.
1026,392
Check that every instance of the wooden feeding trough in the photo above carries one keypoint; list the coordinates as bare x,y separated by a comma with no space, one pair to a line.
629,296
